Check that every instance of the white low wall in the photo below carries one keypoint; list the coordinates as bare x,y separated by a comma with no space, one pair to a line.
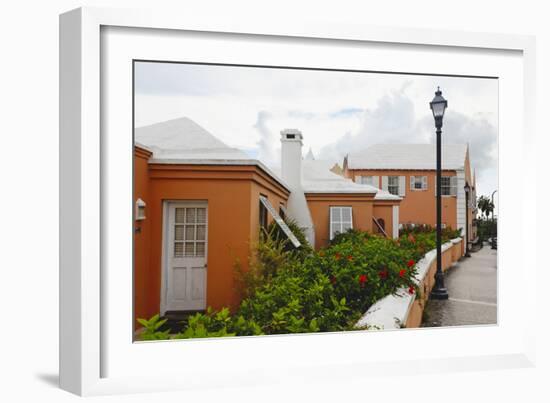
392,311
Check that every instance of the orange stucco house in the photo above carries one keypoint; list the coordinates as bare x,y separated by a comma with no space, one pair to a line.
199,206
408,170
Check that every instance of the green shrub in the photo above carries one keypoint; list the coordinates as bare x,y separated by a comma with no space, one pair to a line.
299,299
277,234
364,269
352,235
151,329
447,233
270,254
328,290
486,228
209,324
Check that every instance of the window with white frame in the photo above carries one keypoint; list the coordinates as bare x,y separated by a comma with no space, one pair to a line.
393,185
419,182
445,186
367,180
448,186
341,220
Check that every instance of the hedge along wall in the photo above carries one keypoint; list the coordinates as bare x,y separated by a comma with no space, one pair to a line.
403,309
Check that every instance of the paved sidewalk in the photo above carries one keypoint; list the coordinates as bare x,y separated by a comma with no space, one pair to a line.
472,287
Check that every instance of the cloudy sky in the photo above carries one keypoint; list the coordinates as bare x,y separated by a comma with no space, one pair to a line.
337,112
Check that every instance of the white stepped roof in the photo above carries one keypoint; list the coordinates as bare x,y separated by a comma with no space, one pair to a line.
183,139
318,178
408,156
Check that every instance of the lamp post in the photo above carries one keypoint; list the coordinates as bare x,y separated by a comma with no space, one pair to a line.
438,106
467,194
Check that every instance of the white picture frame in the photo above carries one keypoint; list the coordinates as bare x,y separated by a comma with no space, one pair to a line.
86,317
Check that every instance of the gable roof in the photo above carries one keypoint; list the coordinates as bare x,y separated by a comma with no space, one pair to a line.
408,156
182,141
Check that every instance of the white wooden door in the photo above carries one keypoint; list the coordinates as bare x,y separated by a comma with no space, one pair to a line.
186,247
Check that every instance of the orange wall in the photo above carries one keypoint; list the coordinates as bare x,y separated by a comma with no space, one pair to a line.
142,233
319,207
418,206
232,193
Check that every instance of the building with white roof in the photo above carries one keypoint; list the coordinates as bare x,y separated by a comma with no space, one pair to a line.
409,171
200,205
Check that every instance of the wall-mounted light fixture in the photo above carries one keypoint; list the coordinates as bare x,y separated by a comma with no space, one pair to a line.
140,210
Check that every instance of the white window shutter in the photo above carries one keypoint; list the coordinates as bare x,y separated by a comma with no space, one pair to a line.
453,185
376,182
424,183
411,182
402,185
358,179
384,183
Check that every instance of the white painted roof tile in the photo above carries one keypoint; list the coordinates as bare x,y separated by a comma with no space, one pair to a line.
184,139
318,178
408,156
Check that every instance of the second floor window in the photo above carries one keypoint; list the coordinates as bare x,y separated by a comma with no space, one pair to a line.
393,185
367,180
448,186
419,182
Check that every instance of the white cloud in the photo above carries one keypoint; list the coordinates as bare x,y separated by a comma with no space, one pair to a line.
337,111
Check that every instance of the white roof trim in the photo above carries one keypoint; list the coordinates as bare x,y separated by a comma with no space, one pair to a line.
143,146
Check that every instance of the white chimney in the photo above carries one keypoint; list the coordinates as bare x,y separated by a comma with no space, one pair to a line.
291,157
291,171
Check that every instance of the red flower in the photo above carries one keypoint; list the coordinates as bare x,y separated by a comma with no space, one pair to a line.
402,272
337,256
362,280
410,263
333,280
383,274
411,238
411,289
350,258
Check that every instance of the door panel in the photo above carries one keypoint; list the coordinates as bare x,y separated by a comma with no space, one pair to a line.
186,242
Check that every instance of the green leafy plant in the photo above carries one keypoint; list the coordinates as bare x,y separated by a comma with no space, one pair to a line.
277,234
316,291
151,329
209,324
269,255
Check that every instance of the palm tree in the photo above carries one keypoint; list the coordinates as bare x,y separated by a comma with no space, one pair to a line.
485,205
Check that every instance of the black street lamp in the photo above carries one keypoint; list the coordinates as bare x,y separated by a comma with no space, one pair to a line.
467,194
438,106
